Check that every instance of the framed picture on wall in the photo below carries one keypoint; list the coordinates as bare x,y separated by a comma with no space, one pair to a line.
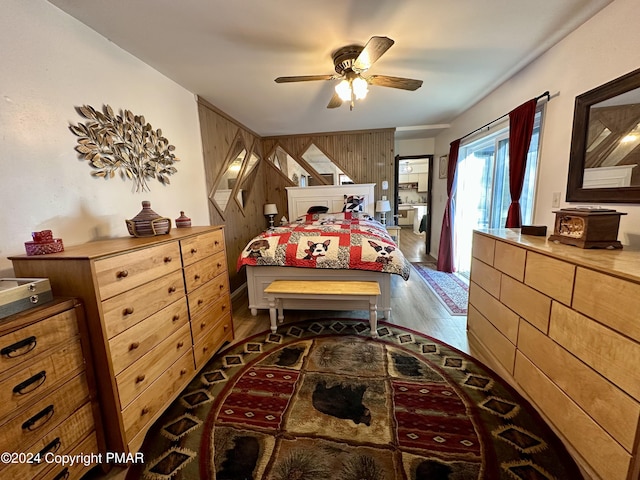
442,170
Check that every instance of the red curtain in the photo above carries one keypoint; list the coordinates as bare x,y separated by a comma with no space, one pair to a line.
445,250
520,129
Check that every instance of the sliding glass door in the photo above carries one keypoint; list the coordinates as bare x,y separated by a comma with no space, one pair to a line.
482,196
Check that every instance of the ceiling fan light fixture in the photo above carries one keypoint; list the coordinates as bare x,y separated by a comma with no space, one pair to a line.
360,87
343,89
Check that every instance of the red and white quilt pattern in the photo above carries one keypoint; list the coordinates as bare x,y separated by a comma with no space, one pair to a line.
335,241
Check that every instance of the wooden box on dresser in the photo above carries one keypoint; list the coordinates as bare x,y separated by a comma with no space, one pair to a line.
157,309
47,394
563,325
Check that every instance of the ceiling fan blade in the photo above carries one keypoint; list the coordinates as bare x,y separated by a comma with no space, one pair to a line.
304,78
372,51
335,101
394,82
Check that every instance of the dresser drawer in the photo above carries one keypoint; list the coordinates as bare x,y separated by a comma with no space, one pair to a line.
136,341
137,377
510,259
197,274
202,297
209,319
32,423
211,342
39,376
154,399
131,307
23,344
201,246
609,300
483,248
120,273
78,470
59,441
550,276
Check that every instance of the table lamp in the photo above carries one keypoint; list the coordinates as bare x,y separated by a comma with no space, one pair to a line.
270,210
382,207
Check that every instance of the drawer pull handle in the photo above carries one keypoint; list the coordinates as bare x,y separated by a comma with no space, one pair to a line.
225,327
122,274
221,286
219,264
140,378
133,346
52,447
196,277
176,317
180,344
194,250
39,419
144,411
30,384
223,307
200,301
127,311
167,259
19,348
204,349
183,371
216,243
203,324
172,289
63,475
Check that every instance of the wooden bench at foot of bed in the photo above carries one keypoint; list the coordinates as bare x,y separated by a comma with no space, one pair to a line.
365,294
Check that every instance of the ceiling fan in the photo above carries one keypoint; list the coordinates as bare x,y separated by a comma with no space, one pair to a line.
351,62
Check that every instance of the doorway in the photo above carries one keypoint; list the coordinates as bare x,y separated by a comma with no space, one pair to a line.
413,181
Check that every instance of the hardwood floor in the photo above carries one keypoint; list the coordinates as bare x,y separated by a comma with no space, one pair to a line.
413,305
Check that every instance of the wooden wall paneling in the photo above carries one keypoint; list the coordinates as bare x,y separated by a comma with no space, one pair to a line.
218,134
367,156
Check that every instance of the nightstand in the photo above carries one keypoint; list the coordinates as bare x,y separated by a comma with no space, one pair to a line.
394,231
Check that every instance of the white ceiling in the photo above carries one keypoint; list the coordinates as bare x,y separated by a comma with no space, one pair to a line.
229,53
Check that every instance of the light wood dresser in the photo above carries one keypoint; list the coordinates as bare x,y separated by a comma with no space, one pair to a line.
47,394
563,324
157,308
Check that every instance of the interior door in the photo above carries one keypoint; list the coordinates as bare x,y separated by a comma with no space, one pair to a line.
422,194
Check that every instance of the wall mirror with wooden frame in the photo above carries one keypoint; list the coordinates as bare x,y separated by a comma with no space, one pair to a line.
246,179
325,167
289,167
226,182
604,163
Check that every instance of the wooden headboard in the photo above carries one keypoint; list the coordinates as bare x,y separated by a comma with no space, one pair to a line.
299,199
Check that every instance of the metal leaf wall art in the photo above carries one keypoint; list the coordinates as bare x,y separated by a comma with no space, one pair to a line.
124,144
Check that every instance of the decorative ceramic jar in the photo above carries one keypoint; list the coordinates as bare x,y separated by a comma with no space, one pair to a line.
183,221
148,223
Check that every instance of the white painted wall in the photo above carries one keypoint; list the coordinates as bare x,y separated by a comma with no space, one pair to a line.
415,146
603,48
49,64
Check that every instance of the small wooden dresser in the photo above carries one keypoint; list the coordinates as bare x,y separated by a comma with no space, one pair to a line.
561,323
157,307
47,406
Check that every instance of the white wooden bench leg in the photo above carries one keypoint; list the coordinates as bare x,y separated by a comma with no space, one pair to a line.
373,316
280,310
272,313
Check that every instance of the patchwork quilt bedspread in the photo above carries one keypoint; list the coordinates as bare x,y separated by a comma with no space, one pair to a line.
335,241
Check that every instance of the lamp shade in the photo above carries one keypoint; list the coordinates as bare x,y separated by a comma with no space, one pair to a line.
383,206
270,209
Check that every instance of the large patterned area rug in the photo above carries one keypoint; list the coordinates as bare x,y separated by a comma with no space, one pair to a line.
450,289
324,400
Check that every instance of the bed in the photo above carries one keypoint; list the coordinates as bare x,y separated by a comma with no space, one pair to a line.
336,245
